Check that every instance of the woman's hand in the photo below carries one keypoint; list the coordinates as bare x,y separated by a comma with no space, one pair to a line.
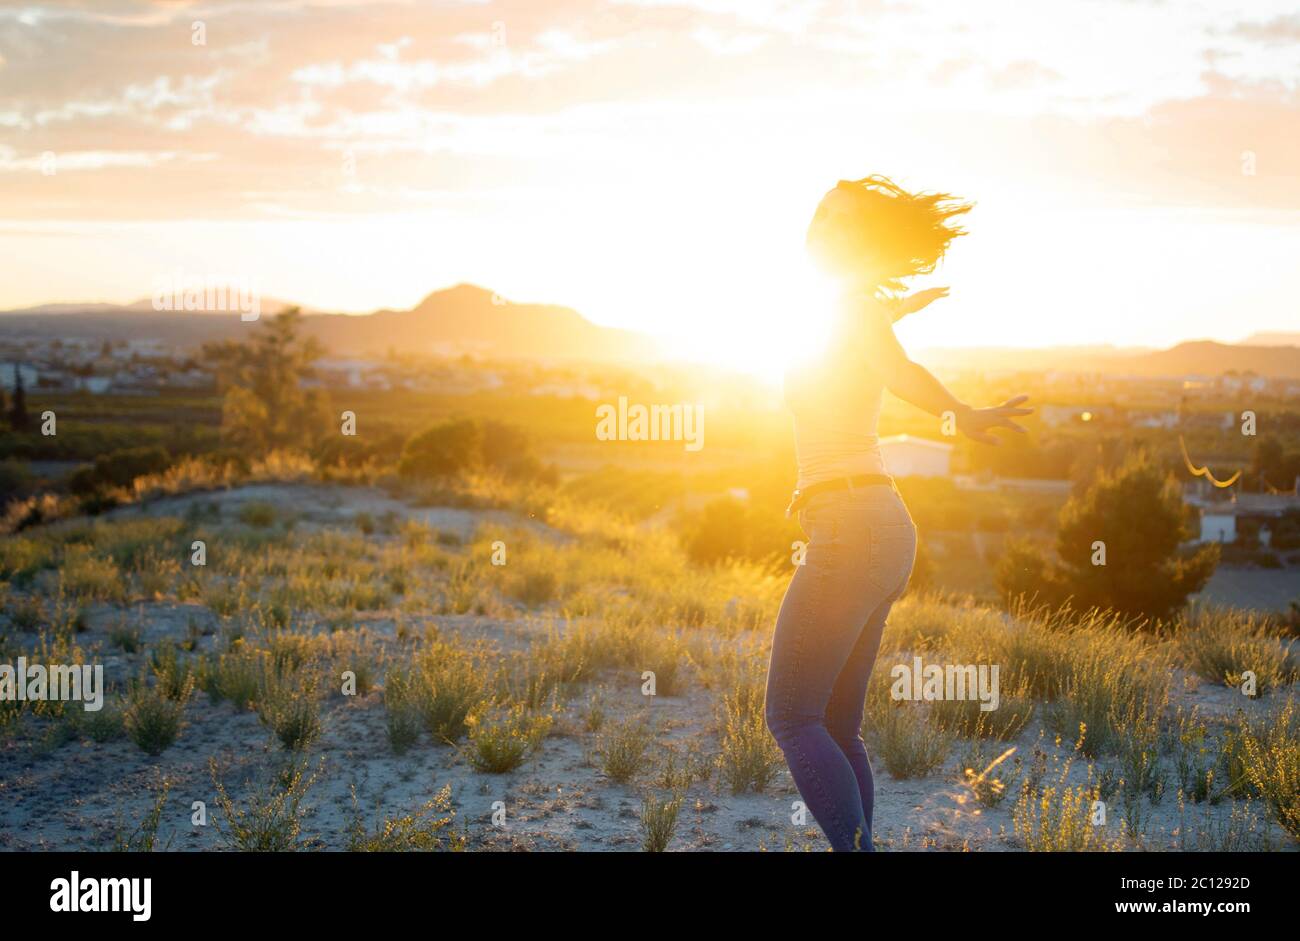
975,423
914,302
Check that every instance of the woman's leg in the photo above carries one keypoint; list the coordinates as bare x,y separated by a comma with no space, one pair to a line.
844,712
817,632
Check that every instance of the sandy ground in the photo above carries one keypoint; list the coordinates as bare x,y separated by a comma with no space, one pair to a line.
80,794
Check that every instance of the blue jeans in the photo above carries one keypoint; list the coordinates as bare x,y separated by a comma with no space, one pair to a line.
862,544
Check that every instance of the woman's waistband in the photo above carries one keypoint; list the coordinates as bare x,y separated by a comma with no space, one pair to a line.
804,494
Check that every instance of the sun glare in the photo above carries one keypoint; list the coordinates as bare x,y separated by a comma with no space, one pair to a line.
768,327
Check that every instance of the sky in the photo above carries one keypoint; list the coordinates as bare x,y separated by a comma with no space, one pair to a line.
653,163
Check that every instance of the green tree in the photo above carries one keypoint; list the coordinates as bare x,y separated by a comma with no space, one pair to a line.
1117,546
265,403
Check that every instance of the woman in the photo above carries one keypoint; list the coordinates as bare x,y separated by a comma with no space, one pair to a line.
868,234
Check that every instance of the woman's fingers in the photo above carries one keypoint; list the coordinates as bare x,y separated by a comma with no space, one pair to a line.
1000,417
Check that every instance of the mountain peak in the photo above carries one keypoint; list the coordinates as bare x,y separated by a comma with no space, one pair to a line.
463,293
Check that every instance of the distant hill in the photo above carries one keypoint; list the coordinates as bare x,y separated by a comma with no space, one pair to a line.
1028,359
467,318
461,319
1194,358
1207,358
268,305
1271,339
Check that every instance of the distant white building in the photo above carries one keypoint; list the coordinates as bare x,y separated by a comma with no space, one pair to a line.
567,390
908,456
1218,526
148,347
1166,418
1243,383
352,373
1219,517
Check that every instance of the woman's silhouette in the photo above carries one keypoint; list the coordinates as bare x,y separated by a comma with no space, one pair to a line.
869,235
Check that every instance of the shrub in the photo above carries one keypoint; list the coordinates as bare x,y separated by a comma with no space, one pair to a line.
986,775
534,588
291,708
965,718
443,450
172,675
749,756
106,724
352,651
662,654
1188,740
257,514
658,822
425,830
910,745
237,675
154,719
27,613
1233,768
144,836
1273,765
1058,818
90,577
402,714
500,738
118,469
1110,699
1223,646
272,820
508,450
447,688
464,444
622,749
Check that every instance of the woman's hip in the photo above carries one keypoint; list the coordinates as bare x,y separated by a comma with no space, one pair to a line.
855,535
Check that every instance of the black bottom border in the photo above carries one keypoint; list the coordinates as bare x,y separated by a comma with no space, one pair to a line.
335,890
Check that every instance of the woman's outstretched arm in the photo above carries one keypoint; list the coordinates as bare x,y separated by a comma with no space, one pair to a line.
912,382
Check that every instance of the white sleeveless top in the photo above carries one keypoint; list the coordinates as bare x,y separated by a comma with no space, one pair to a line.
836,402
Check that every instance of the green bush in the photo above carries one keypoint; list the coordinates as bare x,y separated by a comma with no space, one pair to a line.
465,444
153,718
118,469
443,450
